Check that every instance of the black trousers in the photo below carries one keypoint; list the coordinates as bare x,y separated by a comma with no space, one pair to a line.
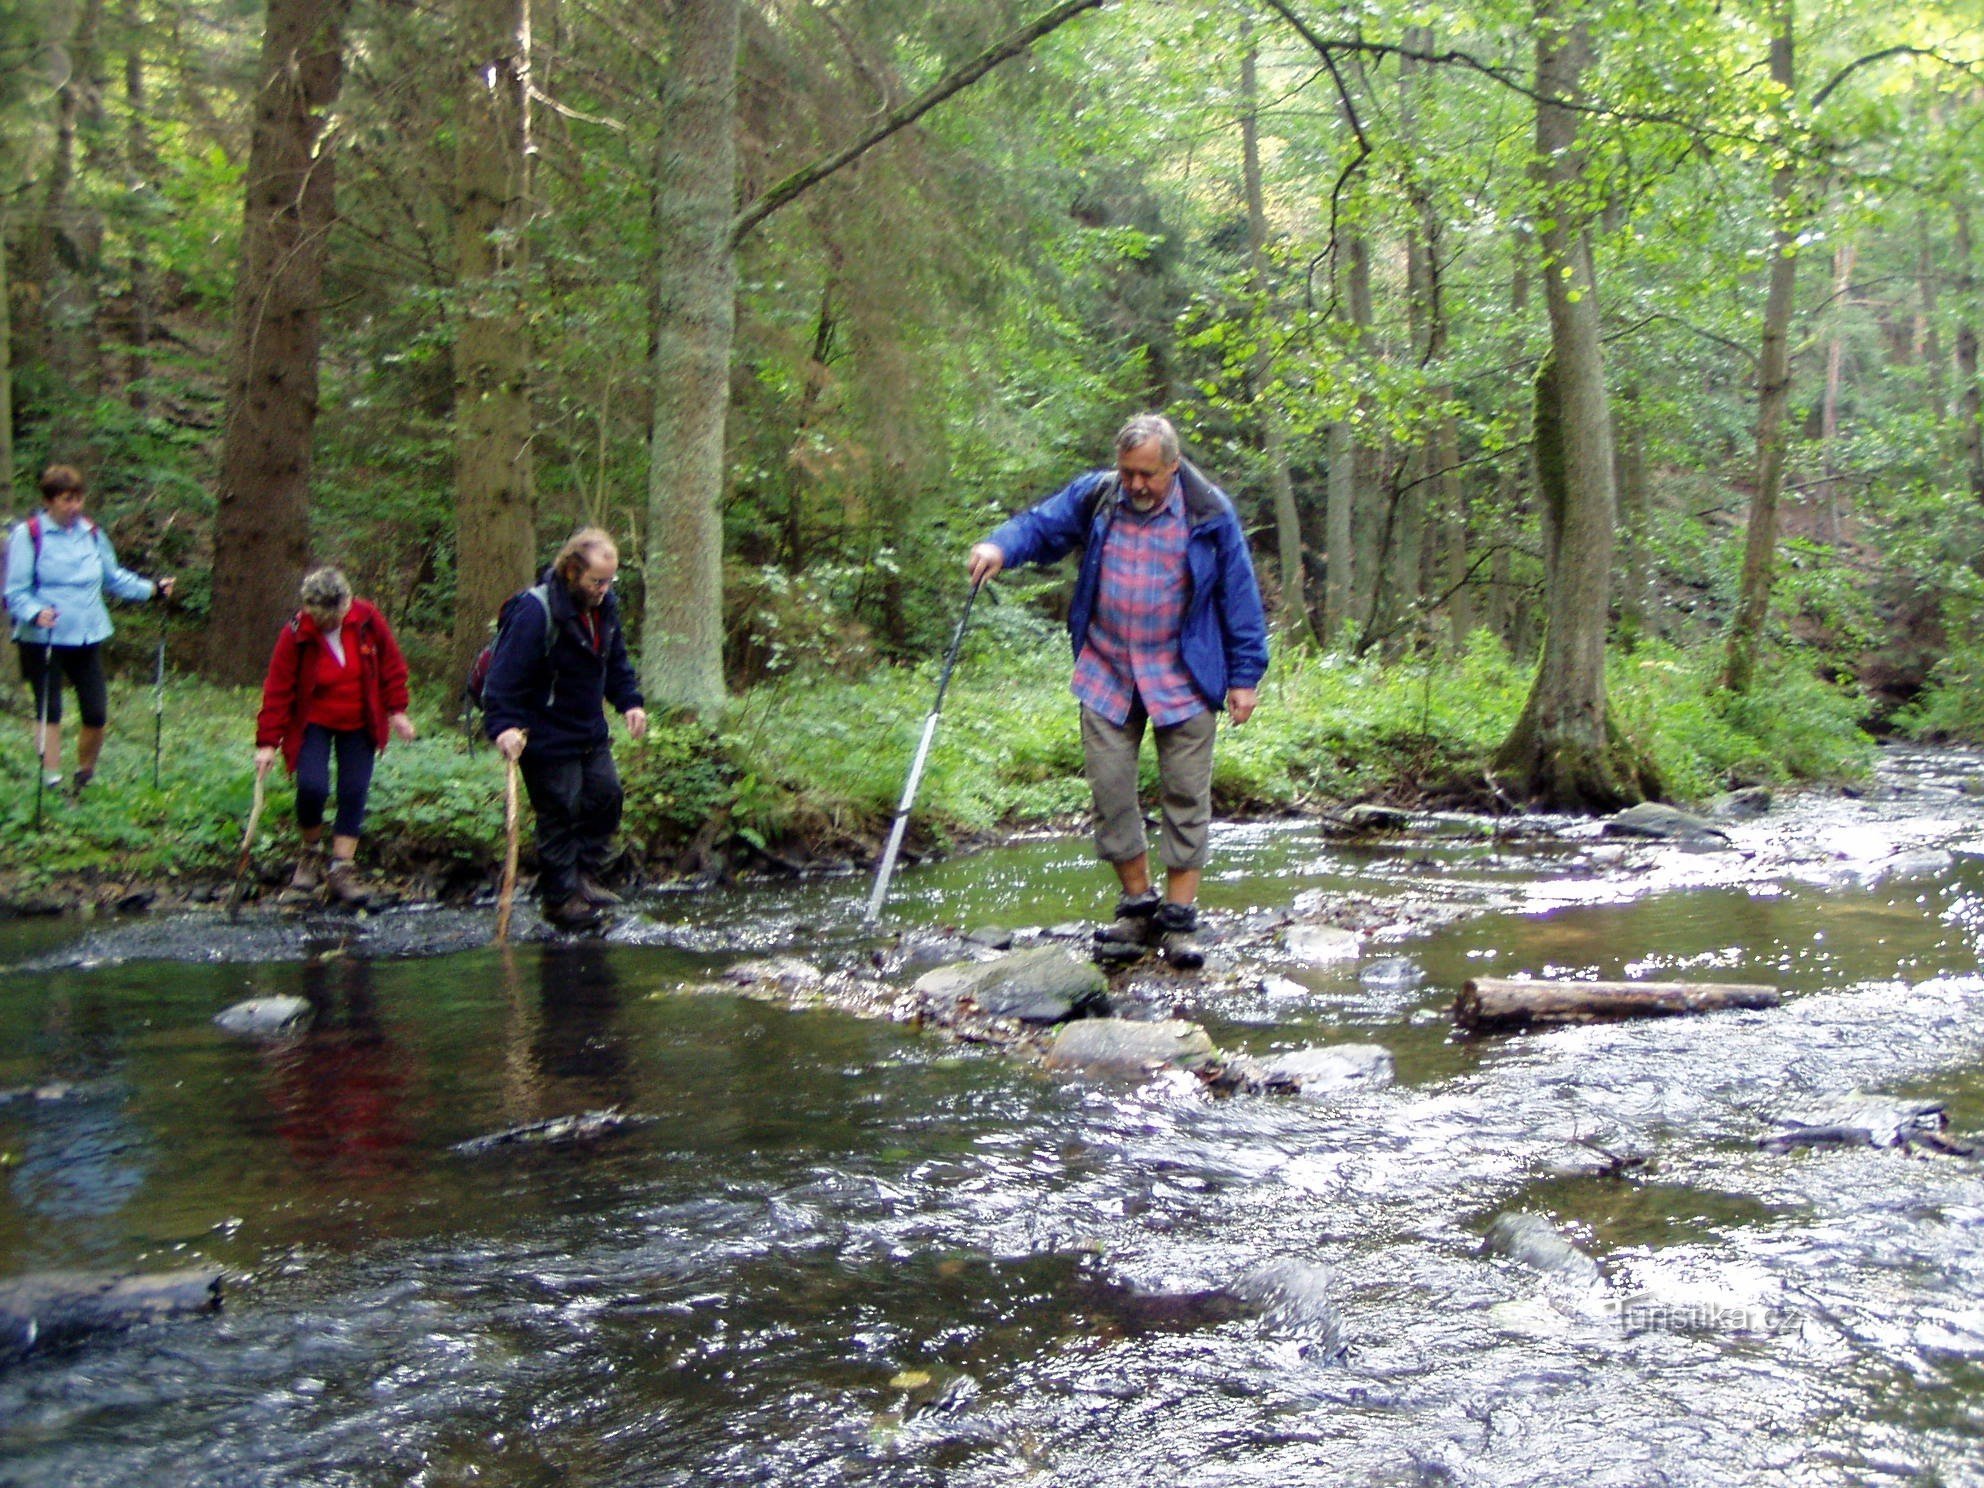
577,801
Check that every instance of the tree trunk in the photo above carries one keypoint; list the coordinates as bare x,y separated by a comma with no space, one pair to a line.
695,319
1274,443
1842,283
141,174
6,382
1349,518
1559,752
1773,391
1928,331
495,525
262,521
1635,572
1970,394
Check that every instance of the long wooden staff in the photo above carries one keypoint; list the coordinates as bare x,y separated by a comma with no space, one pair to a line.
508,893
247,845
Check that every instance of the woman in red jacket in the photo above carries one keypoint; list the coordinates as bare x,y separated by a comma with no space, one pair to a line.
336,685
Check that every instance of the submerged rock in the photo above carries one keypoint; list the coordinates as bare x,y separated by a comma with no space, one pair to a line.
1532,1241
1045,985
60,1306
787,972
1322,945
1329,1070
1857,1119
1119,1046
1367,817
265,1017
558,1131
1295,1296
1392,972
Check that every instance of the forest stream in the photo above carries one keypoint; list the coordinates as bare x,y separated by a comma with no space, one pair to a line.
840,1249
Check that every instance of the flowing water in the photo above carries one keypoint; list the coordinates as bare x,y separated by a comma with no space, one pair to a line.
844,1252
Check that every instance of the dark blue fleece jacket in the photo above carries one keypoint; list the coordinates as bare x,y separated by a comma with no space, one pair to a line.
560,696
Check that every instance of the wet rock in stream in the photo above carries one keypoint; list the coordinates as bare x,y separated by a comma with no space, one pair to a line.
1661,823
49,1308
1533,1241
1044,985
266,1017
1329,1070
1857,1119
558,1131
1120,1047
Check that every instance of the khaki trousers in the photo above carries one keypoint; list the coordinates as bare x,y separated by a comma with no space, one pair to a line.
1184,774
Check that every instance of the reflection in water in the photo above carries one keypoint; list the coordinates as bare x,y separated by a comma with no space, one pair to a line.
83,1157
563,1051
340,1091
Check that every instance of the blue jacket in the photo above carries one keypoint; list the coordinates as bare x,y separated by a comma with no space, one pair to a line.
1224,637
76,566
559,695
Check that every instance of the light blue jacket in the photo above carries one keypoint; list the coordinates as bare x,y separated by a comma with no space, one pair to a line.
76,567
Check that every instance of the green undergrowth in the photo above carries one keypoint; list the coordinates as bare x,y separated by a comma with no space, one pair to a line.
811,767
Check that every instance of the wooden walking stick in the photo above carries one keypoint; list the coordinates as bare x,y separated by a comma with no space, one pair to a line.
240,883
507,895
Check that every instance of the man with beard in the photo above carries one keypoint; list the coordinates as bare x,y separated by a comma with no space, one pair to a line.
559,660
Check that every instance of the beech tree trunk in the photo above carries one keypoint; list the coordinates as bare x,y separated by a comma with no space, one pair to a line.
262,520
695,319
1559,753
495,524
1274,442
1842,283
1773,394
1970,392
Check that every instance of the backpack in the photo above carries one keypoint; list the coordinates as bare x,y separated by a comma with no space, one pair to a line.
478,669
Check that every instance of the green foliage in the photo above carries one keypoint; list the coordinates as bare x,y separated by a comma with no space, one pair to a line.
1791,726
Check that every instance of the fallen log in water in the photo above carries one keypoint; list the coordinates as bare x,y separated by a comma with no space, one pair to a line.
1495,1002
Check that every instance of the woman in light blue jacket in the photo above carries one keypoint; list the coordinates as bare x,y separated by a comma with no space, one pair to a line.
59,567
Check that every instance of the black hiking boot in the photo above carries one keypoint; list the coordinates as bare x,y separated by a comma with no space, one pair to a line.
573,914
1178,936
596,893
1134,930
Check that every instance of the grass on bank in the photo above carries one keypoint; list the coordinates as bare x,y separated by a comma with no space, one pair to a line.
818,764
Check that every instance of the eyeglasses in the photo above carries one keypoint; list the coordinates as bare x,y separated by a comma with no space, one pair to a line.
597,586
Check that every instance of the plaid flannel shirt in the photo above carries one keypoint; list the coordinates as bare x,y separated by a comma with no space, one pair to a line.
1132,648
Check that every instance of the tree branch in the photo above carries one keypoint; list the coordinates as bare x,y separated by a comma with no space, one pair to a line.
898,119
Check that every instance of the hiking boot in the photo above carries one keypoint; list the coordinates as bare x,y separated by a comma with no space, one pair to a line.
341,885
307,880
574,913
1178,936
596,893
80,779
1131,934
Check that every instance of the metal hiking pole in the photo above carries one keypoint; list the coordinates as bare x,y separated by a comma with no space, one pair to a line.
41,725
901,822
158,711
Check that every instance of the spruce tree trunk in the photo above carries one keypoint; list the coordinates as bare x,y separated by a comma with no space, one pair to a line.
495,524
262,521
1274,442
6,382
141,174
1773,397
695,320
1559,753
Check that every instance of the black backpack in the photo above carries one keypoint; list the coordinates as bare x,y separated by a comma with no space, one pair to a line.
478,669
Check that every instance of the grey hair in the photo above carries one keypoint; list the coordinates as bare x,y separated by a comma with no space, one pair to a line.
582,549
325,589
1143,429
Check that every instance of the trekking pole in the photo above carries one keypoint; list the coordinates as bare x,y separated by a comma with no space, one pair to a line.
41,725
506,896
158,711
901,822
240,883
